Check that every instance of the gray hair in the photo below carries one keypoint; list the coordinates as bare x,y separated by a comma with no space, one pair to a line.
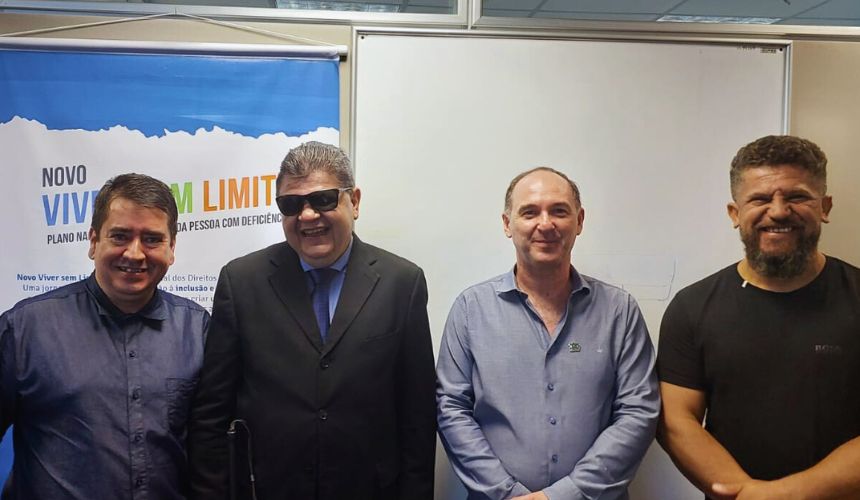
313,156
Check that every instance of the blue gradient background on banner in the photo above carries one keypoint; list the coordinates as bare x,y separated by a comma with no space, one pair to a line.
151,93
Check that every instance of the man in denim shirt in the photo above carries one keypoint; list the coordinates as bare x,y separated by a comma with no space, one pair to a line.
546,377
96,376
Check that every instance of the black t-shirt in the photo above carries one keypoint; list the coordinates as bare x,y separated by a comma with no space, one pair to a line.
780,371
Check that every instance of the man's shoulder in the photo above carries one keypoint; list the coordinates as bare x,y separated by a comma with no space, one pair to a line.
841,277
488,287
262,257
176,302
383,258
601,289
38,303
705,287
843,267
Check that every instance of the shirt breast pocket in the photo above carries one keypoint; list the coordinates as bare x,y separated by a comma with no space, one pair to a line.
179,393
592,363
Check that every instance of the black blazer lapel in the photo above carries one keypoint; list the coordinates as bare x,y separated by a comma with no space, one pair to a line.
288,282
360,281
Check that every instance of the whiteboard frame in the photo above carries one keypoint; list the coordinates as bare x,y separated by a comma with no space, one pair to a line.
358,31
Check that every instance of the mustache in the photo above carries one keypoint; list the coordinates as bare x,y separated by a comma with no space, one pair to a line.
785,264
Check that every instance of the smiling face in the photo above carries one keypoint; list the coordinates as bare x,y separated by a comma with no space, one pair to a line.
544,221
132,251
779,211
320,238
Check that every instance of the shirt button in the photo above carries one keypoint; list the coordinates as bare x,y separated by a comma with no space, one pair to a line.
135,394
138,438
552,420
132,354
323,415
555,459
138,482
550,387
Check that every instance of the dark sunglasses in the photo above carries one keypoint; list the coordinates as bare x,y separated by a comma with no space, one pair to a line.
321,201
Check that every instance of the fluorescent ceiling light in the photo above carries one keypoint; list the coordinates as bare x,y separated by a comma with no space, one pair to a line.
718,19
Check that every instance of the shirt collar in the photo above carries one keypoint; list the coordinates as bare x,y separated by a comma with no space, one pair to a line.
154,309
508,283
337,265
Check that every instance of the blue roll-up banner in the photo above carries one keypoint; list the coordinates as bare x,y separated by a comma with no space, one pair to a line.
213,127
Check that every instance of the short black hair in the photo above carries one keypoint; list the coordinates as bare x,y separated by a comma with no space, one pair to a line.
775,150
142,189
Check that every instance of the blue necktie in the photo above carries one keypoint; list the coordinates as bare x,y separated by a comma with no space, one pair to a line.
322,285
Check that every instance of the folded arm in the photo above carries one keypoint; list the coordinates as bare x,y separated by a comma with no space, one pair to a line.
696,453
835,477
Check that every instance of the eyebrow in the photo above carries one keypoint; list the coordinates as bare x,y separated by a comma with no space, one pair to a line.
145,232
785,192
527,206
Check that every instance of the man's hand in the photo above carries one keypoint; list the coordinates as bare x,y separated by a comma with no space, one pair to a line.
752,490
532,496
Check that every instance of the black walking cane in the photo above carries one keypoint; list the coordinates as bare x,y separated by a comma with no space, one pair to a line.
231,450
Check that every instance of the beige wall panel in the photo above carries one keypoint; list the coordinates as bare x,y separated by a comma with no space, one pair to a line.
825,108
191,30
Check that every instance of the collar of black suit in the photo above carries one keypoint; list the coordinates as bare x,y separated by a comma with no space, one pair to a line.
288,282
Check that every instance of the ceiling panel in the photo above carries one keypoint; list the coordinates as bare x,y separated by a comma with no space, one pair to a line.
506,13
593,16
511,4
425,9
615,6
448,4
745,8
835,9
802,21
798,12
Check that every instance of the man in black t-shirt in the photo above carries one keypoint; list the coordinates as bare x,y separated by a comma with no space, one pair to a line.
769,348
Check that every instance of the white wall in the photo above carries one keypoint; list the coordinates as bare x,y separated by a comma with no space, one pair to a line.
825,108
647,130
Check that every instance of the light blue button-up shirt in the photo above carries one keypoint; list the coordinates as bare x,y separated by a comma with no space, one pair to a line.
521,410
336,282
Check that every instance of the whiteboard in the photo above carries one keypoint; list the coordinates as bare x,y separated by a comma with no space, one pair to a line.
442,122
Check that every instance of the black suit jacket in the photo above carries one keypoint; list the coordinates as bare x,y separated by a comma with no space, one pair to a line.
352,419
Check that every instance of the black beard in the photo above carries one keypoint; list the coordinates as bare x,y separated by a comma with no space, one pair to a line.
787,265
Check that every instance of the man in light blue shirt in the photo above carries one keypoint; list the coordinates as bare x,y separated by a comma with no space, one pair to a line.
546,385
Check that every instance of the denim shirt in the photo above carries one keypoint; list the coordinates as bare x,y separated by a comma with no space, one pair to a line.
98,399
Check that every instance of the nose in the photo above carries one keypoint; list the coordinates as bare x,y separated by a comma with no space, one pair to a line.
779,208
308,213
545,222
134,250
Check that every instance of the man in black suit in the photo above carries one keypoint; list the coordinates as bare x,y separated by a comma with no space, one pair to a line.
344,411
